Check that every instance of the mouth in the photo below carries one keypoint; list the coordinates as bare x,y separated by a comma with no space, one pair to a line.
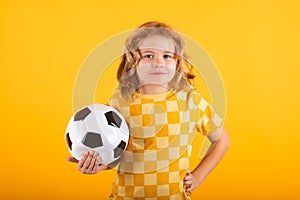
158,73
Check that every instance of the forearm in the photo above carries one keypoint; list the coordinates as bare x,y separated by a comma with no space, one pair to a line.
213,157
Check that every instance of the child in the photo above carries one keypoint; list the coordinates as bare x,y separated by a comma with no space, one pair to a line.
157,100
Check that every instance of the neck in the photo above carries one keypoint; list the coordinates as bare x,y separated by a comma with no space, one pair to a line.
153,89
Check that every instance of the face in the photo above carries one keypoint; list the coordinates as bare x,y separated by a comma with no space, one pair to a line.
157,66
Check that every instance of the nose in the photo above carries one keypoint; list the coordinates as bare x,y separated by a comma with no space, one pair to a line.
157,65
159,62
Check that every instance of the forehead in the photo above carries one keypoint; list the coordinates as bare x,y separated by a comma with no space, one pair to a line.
157,42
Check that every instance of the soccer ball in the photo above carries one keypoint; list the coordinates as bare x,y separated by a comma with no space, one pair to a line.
99,128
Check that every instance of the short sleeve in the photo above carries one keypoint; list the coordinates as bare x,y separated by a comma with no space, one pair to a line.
119,103
208,121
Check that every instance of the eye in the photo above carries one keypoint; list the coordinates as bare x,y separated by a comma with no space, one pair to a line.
168,56
148,56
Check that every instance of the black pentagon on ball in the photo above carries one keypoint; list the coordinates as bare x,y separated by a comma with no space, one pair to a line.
82,114
113,119
119,149
92,140
69,142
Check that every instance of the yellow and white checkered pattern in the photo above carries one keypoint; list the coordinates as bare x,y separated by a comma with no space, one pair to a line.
162,129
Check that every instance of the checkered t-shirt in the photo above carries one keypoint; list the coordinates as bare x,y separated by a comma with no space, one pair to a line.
162,130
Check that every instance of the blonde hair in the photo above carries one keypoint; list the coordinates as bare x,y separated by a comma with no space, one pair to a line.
127,75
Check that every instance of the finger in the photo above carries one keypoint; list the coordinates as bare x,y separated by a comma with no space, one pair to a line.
96,156
72,159
82,160
188,172
96,163
189,189
188,183
188,178
88,160
103,167
99,167
92,164
96,166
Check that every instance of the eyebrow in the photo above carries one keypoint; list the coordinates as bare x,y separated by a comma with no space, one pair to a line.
149,51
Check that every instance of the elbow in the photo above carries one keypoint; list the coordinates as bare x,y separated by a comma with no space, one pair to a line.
226,140
227,143
222,139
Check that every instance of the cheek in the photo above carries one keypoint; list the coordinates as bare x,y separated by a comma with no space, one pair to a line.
172,72
144,62
171,63
171,75
141,70
171,66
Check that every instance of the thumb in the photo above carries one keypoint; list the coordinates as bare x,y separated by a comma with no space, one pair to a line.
72,159
103,167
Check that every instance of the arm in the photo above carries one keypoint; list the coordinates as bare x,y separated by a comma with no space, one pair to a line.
89,163
220,145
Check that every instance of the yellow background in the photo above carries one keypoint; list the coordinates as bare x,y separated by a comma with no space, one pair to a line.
255,45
